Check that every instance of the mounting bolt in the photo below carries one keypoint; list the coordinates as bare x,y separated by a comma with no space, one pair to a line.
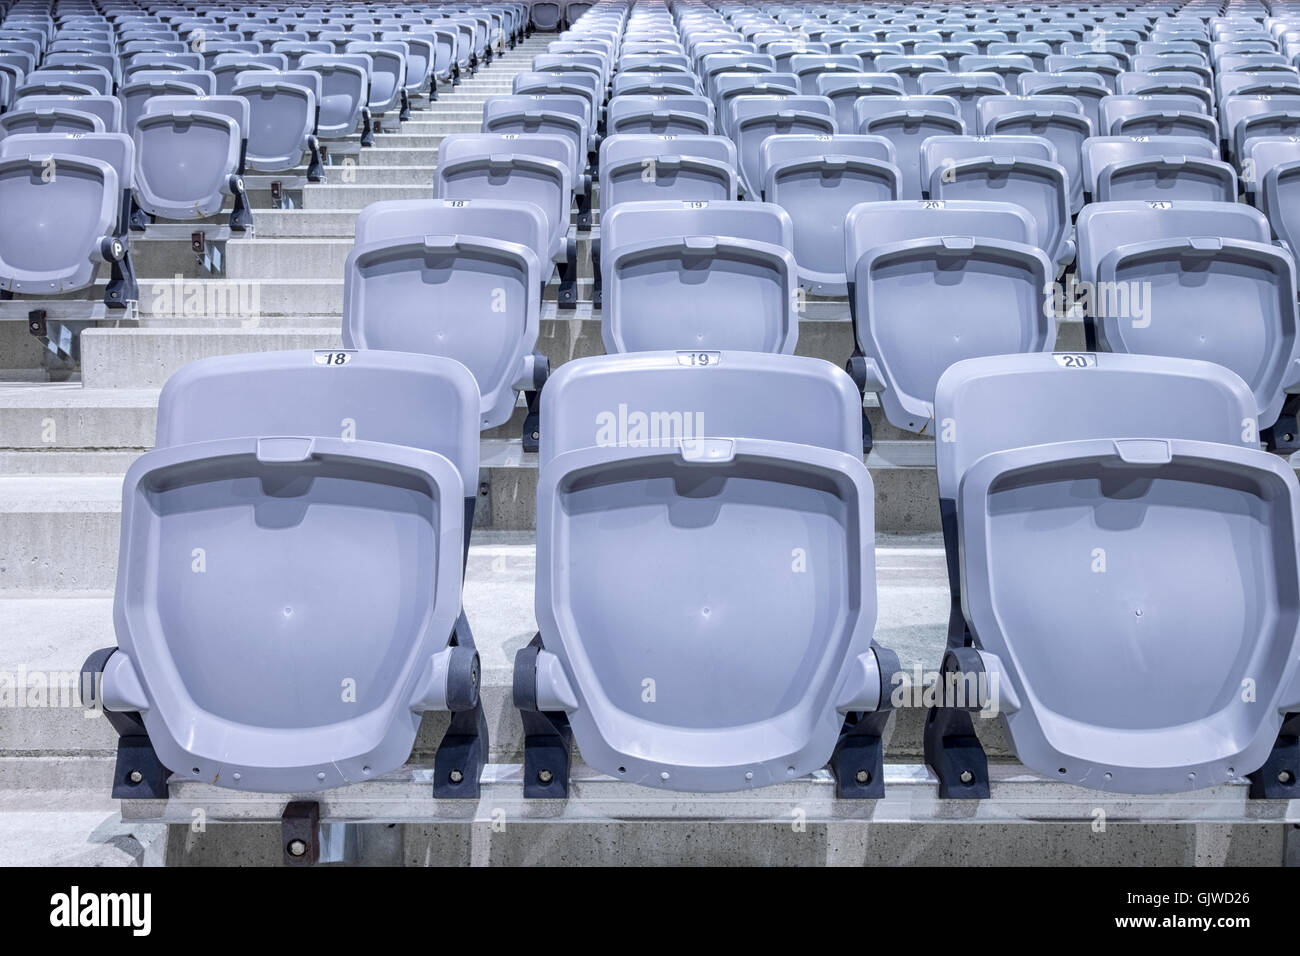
297,848
1285,777
967,776
545,776
135,776
864,776
456,776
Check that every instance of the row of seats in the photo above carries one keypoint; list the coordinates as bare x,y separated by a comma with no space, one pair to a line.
170,108
705,591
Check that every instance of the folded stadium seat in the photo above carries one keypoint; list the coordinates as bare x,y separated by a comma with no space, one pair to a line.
1192,264
189,155
571,83
228,67
1009,66
325,561
1250,62
387,76
661,115
551,115
966,89
768,676
1156,168
294,50
868,51
817,180
419,61
637,168
170,62
695,275
844,89
282,121
664,62
952,52
54,114
714,65
135,93
1230,84
87,178
728,86
1058,118
1246,116
1161,115
80,62
1018,169
345,93
532,167
907,121
545,15
461,278
1192,63
1089,89
911,68
982,294
754,118
1112,672
1105,65
1273,164
808,67
45,82
649,84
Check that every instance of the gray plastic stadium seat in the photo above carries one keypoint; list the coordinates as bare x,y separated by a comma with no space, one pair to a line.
1274,163
550,115
637,168
661,115
457,278
1156,167
757,117
71,193
571,83
844,89
912,68
907,122
937,282
1058,118
1088,89
1245,116
545,14
817,180
283,117
966,89
1213,285
135,93
269,558
387,74
809,67
1159,115
531,168
768,675
189,154
1118,644
168,62
1018,169
696,275
727,87
649,84
55,118
228,67
345,92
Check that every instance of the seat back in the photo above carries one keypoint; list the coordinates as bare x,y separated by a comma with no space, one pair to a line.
698,275
282,114
817,180
648,167
757,117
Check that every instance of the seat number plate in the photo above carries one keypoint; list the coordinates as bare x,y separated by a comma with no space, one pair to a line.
699,359
332,358
1076,359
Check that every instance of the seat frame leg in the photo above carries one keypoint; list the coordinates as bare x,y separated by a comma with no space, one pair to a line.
1283,436
405,113
367,128
952,748
567,294
857,369
1279,778
462,753
138,774
858,763
548,738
